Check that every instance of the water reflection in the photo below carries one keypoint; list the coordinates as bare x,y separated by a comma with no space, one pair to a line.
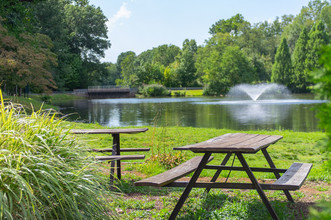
292,114
261,111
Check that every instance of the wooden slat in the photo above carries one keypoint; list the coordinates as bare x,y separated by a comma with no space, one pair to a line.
172,174
218,185
238,142
122,149
294,177
120,157
108,131
134,149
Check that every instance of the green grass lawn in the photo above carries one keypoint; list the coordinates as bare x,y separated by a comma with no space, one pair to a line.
197,92
294,147
152,203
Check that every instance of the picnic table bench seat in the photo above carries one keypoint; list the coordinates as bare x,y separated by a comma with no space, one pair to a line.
294,177
173,174
103,150
120,157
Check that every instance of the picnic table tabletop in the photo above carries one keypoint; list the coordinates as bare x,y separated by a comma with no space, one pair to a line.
109,131
233,142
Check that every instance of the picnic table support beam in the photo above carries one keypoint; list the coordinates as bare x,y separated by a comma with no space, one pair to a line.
218,172
257,186
272,165
189,186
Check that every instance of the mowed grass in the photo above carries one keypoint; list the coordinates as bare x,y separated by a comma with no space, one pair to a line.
196,92
152,203
294,147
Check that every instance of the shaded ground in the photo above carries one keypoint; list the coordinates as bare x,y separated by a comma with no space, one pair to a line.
310,193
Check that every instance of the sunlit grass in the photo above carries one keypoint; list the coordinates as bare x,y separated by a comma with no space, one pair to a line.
197,92
294,147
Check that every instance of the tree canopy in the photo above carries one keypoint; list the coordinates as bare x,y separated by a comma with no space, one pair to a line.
65,39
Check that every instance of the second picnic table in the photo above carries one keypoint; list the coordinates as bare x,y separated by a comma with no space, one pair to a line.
116,149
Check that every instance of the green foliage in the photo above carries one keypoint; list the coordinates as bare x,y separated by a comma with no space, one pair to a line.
179,93
317,39
232,68
79,34
322,79
282,69
44,173
321,212
235,25
154,90
26,61
186,70
300,79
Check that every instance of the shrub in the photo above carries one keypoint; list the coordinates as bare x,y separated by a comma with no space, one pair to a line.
179,93
154,90
44,173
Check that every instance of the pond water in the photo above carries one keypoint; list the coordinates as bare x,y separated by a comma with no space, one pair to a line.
297,113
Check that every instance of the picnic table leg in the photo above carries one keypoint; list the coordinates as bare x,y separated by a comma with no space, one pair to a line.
257,186
189,186
116,143
272,165
112,163
218,172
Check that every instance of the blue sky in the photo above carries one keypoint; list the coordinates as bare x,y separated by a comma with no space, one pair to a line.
139,25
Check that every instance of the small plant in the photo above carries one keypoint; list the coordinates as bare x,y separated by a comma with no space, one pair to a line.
168,160
154,90
46,98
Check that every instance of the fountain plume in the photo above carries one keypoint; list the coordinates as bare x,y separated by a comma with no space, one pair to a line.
254,92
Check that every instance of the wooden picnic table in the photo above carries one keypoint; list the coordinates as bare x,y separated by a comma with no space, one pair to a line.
237,144
116,149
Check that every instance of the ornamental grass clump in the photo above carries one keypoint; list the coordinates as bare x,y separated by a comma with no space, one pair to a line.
44,174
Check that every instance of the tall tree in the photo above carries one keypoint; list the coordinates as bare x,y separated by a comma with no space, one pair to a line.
129,76
299,57
317,38
282,69
79,34
186,69
25,61
235,25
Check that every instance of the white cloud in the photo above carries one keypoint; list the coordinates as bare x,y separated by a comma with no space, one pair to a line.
123,12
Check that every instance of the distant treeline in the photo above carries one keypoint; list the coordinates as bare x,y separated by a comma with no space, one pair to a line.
57,44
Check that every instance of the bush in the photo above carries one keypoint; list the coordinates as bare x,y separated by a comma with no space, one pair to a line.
179,93
215,89
154,90
44,173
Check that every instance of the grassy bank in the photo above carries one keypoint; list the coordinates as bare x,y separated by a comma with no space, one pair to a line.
39,101
198,92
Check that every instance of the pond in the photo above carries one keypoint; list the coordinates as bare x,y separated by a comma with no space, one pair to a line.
297,113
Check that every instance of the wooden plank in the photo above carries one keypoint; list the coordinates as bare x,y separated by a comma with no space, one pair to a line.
122,149
238,142
294,177
254,169
109,131
172,174
134,149
120,157
218,185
